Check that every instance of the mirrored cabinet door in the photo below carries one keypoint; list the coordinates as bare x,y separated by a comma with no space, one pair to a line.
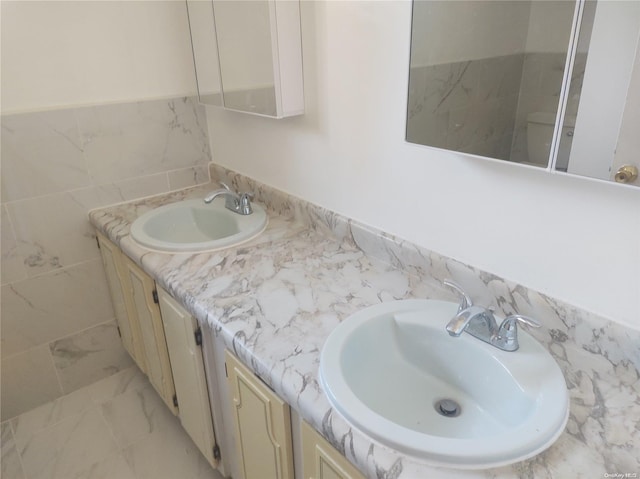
248,55
205,51
546,83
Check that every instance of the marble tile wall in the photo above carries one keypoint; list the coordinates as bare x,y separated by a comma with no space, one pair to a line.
465,106
58,330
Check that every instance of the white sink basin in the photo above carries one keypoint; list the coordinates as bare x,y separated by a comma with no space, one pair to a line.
192,225
388,368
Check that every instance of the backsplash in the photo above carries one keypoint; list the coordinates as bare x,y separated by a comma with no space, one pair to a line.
58,328
599,358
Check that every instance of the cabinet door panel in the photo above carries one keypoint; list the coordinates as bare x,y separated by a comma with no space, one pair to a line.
153,339
263,425
189,376
118,287
321,461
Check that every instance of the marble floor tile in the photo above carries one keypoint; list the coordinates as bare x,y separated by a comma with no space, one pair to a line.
48,415
111,467
116,428
89,356
137,414
28,381
130,379
183,459
69,447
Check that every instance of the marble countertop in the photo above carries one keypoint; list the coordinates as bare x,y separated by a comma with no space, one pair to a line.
274,301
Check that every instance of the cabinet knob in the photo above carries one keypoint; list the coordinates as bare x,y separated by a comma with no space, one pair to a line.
626,174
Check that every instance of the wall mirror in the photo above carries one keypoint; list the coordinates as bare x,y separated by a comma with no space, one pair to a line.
538,82
248,55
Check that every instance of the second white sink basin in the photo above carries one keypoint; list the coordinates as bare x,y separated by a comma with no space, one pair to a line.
192,226
394,372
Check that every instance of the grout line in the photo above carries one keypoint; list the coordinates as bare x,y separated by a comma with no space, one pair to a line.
56,270
48,343
81,331
113,184
153,195
15,445
55,370
98,104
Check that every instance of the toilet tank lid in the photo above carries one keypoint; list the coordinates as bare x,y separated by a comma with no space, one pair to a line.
547,118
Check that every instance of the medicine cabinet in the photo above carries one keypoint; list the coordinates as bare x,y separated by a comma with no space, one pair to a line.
248,55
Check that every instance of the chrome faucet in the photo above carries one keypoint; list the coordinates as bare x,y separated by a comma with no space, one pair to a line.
481,323
238,203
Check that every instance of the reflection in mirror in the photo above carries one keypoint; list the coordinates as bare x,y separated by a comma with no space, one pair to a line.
205,51
243,32
554,84
248,55
481,71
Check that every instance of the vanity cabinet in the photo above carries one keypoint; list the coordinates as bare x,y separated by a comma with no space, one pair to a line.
262,425
321,461
184,341
166,343
112,260
134,297
145,310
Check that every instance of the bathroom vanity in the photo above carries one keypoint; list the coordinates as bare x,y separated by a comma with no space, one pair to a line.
265,309
199,379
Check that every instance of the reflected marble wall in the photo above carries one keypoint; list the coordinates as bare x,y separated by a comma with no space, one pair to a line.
466,106
58,329
481,106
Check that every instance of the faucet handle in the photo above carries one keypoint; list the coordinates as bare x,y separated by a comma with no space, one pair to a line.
466,300
508,330
245,203
510,320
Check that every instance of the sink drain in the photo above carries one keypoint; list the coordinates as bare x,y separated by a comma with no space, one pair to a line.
448,408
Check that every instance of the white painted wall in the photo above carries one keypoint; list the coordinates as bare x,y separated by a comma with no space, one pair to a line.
572,238
244,41
72,53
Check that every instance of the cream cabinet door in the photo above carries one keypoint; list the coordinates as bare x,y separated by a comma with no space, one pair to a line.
118,286
321,461
185,353
262,425
144,307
